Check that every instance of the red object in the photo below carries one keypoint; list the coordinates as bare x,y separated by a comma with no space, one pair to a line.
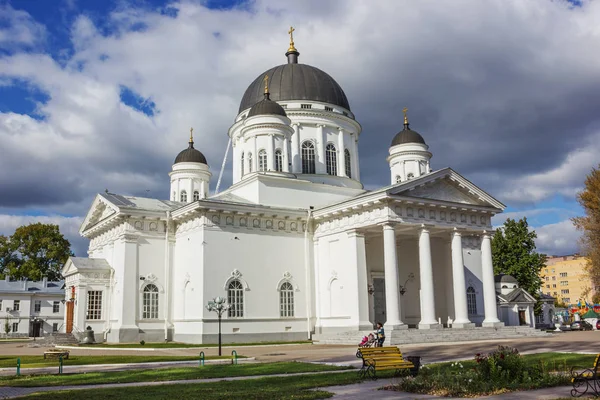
598,325
72,292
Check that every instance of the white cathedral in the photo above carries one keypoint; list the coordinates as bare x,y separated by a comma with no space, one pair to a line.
296,245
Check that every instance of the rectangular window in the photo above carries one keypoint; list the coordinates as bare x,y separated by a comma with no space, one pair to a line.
553,285
56,307
306,106
567,300
15,327
16,305
94,304
55,327
563,274
547,278
37,306
553,278
564,283
547,286
564,291
328,108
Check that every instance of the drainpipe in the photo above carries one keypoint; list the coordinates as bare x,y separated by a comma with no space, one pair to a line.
307,265
167,276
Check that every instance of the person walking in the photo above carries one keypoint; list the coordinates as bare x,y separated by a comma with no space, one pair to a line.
380,334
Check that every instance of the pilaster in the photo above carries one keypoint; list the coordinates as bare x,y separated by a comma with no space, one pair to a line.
359,259
321,166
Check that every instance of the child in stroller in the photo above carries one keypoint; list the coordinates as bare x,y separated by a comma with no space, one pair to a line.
368,341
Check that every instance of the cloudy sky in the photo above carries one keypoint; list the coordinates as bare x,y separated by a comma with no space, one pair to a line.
100,95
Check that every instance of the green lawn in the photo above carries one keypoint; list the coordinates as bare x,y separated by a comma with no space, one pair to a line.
275,388
38,361
175,345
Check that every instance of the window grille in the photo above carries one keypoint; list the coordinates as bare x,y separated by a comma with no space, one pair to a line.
278,161
331,159
235,298
15,327
196,195
471,301
308,157
150,302
56,307
306,106
286,300
249,162
348,165
242,164
94,304
328,108
262,160
16,305
37,306
183,196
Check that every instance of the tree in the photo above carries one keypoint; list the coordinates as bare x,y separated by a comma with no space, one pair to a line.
589,199
34,251
7,327
513,253
596,298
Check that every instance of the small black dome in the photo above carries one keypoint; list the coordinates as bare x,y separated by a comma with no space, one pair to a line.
503,278
190,155
267,107
407,135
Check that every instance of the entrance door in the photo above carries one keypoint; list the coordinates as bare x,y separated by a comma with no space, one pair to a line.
379,300
34,330
70,310
522,320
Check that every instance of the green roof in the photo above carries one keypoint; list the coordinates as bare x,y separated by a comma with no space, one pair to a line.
590,314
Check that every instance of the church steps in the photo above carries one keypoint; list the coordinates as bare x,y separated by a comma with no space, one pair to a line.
416,336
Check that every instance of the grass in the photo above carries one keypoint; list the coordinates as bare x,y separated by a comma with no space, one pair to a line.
166,374
274,388
176,345
39,362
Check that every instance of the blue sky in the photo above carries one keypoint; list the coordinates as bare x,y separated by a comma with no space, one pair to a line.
100,94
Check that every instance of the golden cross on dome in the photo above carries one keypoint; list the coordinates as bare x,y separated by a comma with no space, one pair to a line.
291,32
191,135
405,110
266,79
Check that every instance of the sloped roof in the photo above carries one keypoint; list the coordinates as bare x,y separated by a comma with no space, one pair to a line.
518,295
52,287
141,203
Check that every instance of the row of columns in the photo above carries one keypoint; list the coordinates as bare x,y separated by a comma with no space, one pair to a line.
428,319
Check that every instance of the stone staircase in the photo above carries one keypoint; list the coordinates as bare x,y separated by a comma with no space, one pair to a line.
60,339
419,336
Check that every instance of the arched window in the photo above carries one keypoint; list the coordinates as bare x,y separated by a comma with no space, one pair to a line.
174,196
196,195
398,179
410,176
471,301
331,159
249,162
286,300
504,287
235,298
278,161
308,157
150,302
242,164
262,160
183,196
348,163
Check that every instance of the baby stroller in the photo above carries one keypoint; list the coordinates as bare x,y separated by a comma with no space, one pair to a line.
368,341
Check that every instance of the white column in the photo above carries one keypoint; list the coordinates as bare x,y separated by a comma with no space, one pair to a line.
254,154
341,155
356,171
392,298
190,190
318,290
428,320
286,155
461,314
321,166
271,153
489,286
296,161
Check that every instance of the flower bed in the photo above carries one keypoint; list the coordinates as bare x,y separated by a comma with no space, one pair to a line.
503,370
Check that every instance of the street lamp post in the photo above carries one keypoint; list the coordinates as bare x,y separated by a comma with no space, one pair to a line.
219,306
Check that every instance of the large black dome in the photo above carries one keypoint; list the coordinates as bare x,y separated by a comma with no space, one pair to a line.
296,82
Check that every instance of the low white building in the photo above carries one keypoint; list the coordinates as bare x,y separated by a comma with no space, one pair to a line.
296,245
515,305
31,308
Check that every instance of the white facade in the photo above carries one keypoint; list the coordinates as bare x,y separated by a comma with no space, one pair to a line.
296,245
31,308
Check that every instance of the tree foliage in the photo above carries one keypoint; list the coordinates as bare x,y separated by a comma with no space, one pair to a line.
589,199
513,253
34,251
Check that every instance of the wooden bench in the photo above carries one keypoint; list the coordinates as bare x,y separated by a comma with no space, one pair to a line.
382,358
56,354
586,381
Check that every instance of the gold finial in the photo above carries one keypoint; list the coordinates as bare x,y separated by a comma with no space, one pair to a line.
291,32
405,110
266,79
191,135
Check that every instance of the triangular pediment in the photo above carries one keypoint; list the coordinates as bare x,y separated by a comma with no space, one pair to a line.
100,210
446,186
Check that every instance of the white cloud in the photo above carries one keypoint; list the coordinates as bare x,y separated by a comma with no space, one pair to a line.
558,239
19,29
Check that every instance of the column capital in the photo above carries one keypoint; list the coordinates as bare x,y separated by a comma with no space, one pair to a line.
354,233
339,128
387,225
321,125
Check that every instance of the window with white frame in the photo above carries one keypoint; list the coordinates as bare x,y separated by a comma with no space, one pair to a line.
183,197
56,307
55,327
94,304
286,300
278,161
196,195
262,160
37,306
308,157
249,162
15,327
242,164
471,301
150,302
348,162
331,159
16,305
235,298
563,274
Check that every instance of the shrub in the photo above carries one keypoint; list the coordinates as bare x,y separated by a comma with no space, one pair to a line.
142,342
